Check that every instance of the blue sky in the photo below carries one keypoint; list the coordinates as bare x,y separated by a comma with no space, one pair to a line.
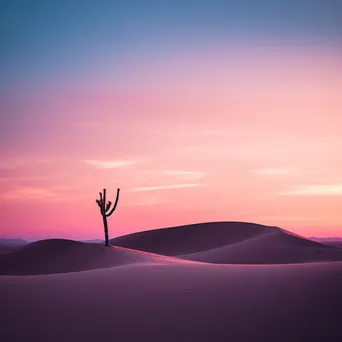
46,38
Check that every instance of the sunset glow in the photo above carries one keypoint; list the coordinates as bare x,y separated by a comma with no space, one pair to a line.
195,117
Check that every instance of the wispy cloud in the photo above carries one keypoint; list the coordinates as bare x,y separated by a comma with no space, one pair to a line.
109,164
24,193
148,200
184,174
165,187
276,172
328,189
189,132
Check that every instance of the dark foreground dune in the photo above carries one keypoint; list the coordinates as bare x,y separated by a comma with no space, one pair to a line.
176,302
124,294
62,256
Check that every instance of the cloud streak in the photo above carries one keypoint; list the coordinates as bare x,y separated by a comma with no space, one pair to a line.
185,174
165,187
24,193
274,172
109,164
331,189
148,200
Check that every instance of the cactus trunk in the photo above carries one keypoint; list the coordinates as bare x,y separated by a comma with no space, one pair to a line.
106,211
105,224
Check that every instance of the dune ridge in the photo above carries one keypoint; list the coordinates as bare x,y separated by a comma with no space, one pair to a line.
212,242
231,243
272,248
64,256
192,238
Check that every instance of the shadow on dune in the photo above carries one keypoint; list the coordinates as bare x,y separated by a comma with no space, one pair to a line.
230,243
161,298
213,243
272,248
191,238
63,256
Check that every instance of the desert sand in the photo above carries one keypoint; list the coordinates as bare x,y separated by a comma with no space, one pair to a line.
224,281
230,243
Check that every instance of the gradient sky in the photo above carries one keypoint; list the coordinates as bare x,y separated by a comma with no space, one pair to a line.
197,110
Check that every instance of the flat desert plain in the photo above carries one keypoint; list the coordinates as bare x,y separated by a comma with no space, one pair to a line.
219,281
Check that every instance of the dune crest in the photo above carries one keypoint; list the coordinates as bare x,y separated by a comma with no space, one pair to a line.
191,238
212,243
231,243
64,256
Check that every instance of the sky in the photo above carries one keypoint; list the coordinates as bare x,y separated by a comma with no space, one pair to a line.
197,110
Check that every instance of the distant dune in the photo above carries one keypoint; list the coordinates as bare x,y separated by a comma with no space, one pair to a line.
9,245
332,241
60,256
231,243
328,239
12,242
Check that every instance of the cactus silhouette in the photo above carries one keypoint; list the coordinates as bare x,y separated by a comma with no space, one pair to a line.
106,211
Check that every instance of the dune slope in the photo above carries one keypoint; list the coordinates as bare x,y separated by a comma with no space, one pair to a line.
176,302
277,247
152,297
191,238
231,243
59,256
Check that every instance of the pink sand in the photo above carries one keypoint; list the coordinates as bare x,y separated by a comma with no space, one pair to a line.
131,295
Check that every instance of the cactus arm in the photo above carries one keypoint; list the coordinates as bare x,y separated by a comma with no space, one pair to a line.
104,208
104,200
115,204
101,202
108,206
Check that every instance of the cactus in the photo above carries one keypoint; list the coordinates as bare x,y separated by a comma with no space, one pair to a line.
105,210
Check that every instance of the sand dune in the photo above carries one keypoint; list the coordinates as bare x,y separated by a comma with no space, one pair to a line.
231,243
271,248
154,297
176,302
59,256
220,243
191,238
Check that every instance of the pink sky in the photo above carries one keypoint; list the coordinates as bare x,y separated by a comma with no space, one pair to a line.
253,135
